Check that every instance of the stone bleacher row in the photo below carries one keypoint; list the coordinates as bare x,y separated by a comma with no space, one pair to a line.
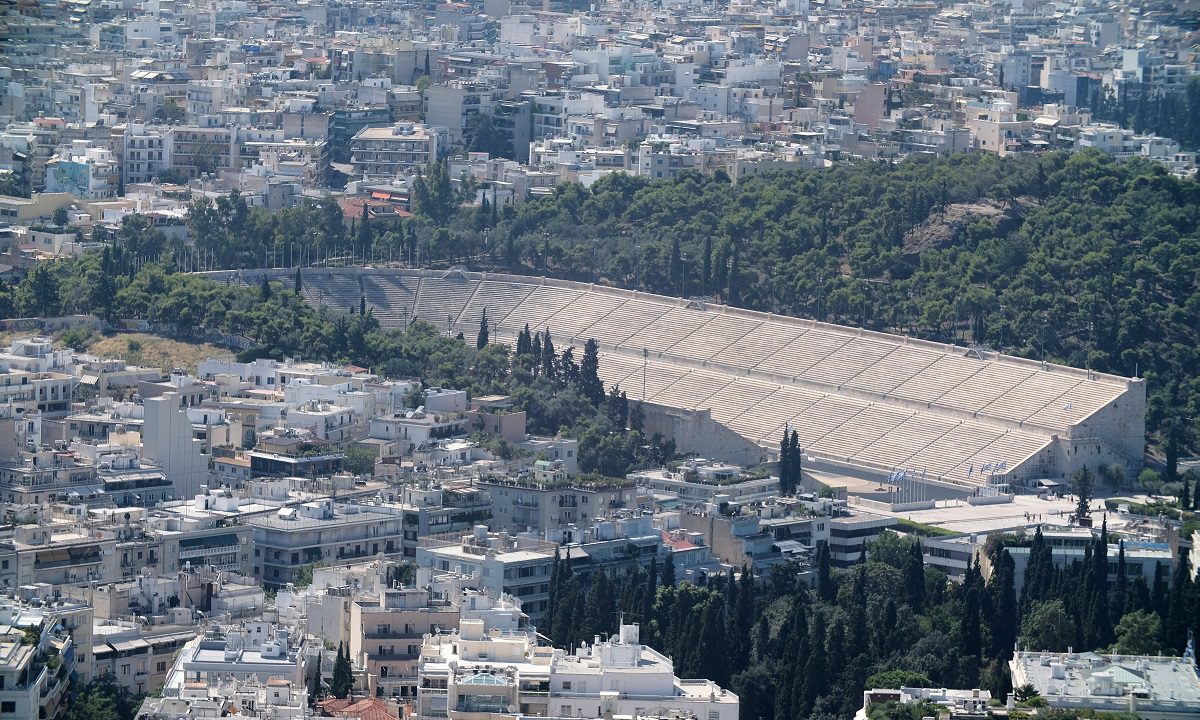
847,430
774,353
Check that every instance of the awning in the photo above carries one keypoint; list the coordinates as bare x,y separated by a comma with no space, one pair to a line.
50,556
90,380
128,645
381,196
210,542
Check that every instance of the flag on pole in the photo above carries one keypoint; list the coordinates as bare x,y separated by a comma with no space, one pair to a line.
971,470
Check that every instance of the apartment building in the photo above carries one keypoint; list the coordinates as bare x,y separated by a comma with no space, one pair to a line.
386,633
488,670
320,531
196,150
503,564
386,152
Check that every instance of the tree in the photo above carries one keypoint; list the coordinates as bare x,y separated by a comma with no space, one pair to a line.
365,234
483,135
826,590
1138,633
264,289
359,461
590,385
1082,484
914,576
1003,617
481,340
668,572
298,283
897,679
1047,627
342,681
61,217
1185,498
101,699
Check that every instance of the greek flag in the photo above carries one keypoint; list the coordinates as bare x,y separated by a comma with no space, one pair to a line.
985,468
1002,464
971,470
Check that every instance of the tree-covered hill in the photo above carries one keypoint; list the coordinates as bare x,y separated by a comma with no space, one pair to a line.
1070,258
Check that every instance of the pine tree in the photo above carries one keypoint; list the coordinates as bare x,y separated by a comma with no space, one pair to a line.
481,340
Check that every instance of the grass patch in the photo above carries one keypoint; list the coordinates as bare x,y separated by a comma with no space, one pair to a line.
154,351
921,530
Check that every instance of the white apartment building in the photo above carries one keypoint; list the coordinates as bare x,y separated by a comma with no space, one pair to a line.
387,152
517,566
37,658
481,672
253,651
143,153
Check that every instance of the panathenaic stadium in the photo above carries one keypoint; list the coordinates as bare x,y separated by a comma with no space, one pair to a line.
725,381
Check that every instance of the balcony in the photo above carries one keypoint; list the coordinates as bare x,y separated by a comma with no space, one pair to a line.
525,503
392,635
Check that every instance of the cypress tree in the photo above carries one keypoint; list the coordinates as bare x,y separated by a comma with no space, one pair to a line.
826,590
1121,601
648,596
795,467
785,460
264,290
1004,594
711,649
676,264
537,354
1185,498
481,340
969,636
342,681
548,355
590,384
668,571
914,577
707,272
297,284
1180,609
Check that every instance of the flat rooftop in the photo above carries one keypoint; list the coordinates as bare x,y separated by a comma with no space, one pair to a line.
1108,680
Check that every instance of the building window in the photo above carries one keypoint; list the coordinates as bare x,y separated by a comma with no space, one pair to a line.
8,706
